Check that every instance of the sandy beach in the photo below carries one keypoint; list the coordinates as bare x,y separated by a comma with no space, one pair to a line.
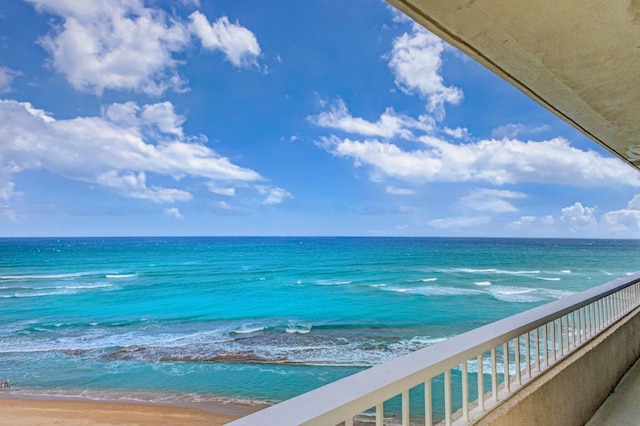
32,412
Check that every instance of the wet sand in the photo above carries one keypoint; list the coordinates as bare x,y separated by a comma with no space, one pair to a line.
77,412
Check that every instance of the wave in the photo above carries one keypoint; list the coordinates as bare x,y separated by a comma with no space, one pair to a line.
151,397
428,280
298,328
49,276
493,271
274,345
332,282
249,329
527,295
115,276
433,291
483,283
549,278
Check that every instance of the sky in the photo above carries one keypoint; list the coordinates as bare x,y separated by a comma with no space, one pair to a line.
287,118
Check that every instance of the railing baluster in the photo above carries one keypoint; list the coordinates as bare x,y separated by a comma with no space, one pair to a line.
480,382
465,391
580,326
545,341
428,405
574,329
348,422
405,408
494,375
517,361
380,414
528,354
536,348
554,339
507,368
447,397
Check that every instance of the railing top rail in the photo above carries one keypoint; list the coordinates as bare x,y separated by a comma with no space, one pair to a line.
335,401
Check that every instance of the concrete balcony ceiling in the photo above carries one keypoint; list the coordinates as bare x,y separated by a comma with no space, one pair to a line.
580,59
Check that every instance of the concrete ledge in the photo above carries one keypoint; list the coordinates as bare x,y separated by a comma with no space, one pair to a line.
571,392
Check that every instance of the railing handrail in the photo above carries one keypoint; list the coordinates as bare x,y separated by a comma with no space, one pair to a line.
334,402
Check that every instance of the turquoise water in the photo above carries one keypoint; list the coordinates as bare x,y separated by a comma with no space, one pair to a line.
262,318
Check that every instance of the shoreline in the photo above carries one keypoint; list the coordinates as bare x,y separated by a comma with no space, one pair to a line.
40,410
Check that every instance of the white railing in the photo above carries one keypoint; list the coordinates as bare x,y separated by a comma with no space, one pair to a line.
456,381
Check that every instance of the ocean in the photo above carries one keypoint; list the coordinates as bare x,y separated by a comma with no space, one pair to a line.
180,320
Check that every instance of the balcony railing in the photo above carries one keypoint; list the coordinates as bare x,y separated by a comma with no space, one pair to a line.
458,380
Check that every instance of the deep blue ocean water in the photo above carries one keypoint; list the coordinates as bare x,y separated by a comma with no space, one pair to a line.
179,319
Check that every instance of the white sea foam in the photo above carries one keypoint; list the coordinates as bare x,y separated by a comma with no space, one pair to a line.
434,291
46,277
483,283
249,328
493,271
332,282
377,285
549,278
115,276
526,295
515,294
298,328
566,271
427,280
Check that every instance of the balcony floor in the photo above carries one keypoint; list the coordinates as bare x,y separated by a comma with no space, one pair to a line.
622,407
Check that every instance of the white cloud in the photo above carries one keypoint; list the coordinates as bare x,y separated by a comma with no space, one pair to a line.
459,222
124,45
173,212
399,191
274,195
118,150
583,221
496,162
389,125
634,203
238,44
458,132
625,221
415,60
228,191
492,200
6,78
579,216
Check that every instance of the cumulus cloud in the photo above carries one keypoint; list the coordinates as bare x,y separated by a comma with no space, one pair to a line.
118,150
415,60
239,45
389,125
493,161
124,45
274,195
492,200
578,216
625,221
582,220
174,212
216,189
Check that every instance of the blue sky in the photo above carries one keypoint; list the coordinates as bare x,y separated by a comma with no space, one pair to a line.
240,117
